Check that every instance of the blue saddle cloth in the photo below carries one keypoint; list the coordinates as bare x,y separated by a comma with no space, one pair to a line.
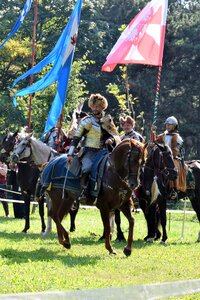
55,174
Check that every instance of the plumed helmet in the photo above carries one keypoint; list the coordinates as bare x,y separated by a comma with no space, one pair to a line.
127,119
99,100
171,120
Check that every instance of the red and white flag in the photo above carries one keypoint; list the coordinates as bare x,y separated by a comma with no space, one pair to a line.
142,41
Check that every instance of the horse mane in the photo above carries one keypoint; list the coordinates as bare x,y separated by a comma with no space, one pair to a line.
141,147
154,191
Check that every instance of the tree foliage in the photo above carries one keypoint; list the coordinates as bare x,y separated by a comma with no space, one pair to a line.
98,32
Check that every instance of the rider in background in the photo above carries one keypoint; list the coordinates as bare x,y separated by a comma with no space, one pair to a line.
3,182
172,138
50,138
96,138
70,134
128,125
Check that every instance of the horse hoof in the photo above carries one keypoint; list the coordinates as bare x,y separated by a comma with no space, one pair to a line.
163,243
67,246
127,252
45,233
102,238
150,240
113,252
24,231
72,229
120,238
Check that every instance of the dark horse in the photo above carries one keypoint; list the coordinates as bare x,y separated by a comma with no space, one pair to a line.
120,176
154,193
27,178
157,170
31,150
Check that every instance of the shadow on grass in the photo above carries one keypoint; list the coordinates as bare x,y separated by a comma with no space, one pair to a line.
14,256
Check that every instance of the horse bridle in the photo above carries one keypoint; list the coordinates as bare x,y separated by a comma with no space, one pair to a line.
4,151
27,145
130,173
157,170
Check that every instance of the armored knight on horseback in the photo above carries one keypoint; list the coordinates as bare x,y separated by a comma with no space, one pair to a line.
172,138
96,137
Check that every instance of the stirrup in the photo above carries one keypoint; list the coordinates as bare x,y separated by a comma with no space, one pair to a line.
83,197
173,195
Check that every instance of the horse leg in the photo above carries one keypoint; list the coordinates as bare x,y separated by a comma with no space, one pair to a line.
153,220
33,209
195,201
49,219
157,231
106,223
60,208
126,209
41,213
73,212
26,198
163,219
120,235
149,214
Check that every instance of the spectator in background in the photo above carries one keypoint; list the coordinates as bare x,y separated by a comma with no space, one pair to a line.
12,184
3,181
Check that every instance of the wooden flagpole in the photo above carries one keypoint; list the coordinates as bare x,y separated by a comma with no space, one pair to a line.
58,138
32,62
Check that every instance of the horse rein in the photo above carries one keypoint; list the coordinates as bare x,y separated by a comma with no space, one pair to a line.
158,172
28,145
125,180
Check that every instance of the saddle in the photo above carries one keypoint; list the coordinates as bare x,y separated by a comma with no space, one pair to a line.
58,174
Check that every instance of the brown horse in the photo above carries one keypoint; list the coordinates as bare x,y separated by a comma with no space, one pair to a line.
119,178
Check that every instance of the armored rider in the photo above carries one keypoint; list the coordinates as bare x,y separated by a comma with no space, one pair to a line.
96,138
172,138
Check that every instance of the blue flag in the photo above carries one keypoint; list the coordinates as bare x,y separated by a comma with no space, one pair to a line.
61,57
25,10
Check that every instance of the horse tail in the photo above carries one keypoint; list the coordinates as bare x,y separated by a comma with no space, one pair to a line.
154,190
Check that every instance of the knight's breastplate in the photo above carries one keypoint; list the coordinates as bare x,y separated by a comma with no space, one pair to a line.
93,135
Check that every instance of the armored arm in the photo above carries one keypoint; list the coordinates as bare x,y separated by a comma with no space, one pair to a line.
84,126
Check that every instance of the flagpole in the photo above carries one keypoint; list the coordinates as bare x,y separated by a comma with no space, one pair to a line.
32,62
60,126
153,127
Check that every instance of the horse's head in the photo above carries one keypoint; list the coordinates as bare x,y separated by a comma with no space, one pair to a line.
22,151
8,144
127,158
168,162
157,170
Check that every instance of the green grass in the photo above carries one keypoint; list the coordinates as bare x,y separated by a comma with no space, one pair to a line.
31,263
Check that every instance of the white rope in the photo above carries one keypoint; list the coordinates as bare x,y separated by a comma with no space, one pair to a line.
16,201
63,190
10,191
184,216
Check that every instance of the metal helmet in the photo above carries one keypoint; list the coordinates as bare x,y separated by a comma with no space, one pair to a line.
171,120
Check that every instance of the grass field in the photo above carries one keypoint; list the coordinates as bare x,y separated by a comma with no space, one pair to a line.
31,263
